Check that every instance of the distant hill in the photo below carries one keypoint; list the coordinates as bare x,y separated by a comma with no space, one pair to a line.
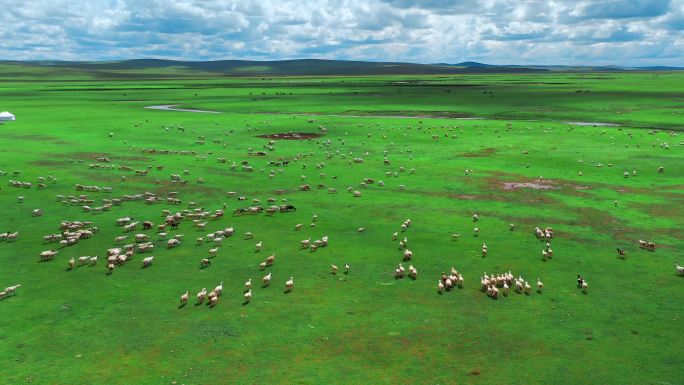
300,67
273,68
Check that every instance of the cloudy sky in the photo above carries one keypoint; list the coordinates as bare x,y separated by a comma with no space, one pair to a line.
621,32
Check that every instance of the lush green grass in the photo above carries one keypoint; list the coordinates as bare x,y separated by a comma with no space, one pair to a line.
86,327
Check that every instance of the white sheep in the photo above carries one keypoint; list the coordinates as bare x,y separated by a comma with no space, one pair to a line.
219,289
346,268
258,246
333,269
248,285
266,279
147,261
289,284
201,295
248,296
408,254
679,269
540,286
184,298
12,289
440,286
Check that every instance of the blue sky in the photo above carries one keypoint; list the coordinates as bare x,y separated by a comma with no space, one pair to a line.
621,32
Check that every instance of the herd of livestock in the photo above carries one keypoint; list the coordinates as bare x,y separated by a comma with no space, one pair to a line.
127,246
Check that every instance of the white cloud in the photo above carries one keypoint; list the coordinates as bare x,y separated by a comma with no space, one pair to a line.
626,32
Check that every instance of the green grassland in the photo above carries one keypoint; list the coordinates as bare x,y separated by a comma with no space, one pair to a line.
83,326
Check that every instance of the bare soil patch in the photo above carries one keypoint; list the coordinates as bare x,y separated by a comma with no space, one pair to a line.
482,153
291,136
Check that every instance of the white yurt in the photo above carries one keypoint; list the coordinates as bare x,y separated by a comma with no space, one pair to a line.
4,116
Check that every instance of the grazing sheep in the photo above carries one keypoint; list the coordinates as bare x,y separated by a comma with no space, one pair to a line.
213,301
172,243
394,236
298,227
248,284
505,289
72,263
205,263
475,217
93,260
11,289
476,231
262,265
147,261
248,296
333,269
289,284
82,260
679,269
413,272
266,279
270,260
201,295
305,243
528,288
440,286
258,246
540,286
518,286
585,287
110,268
219,289
213,252
184,298
346,268
621,253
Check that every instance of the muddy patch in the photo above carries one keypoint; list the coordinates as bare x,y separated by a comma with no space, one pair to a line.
482,153
469,197
291,136
532,185
41,138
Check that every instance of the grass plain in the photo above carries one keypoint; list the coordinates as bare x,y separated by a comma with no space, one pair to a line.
83,326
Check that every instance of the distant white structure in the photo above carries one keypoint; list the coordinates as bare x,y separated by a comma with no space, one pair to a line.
5,116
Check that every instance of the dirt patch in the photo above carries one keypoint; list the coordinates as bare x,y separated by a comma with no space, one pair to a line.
519,185
482,153
41,138
469,197
291,136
